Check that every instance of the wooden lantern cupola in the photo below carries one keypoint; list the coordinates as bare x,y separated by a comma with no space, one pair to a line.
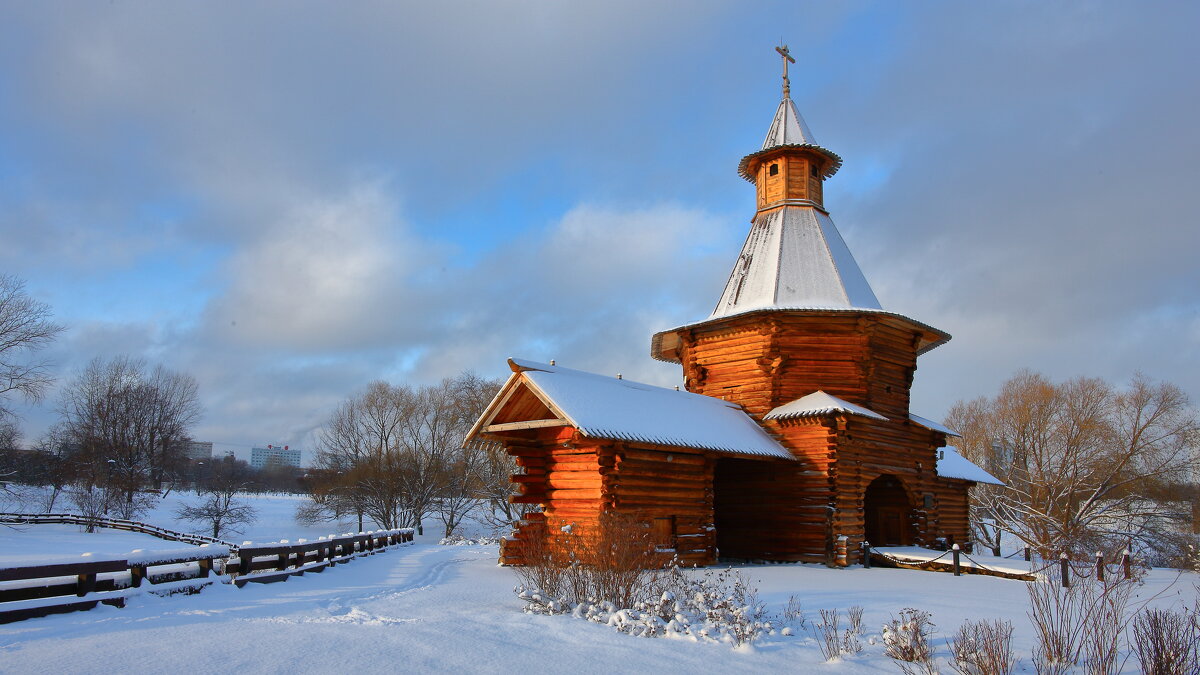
791,167
797,315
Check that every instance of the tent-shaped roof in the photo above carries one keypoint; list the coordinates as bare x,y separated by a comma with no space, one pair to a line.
788,130
795,258
950,464
819,403
618,409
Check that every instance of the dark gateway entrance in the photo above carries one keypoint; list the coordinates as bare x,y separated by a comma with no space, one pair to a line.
887,513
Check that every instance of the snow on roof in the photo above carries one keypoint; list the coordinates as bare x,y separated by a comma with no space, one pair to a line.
788,128
950,464
933,426
820,403
795,257
608,407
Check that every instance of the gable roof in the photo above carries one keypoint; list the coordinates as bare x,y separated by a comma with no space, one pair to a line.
950,464
618,409
819,403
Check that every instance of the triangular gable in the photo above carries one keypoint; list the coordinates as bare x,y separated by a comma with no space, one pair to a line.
517,406
618,409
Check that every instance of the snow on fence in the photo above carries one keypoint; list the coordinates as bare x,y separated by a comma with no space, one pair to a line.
265,563
959,562
111,523
66,584
69,583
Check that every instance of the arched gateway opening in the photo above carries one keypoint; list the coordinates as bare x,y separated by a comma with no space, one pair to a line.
887,513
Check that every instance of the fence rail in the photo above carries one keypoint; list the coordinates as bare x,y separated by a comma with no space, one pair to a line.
69,583
111,523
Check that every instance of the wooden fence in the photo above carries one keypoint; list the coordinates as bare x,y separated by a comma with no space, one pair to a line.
111,523
65,584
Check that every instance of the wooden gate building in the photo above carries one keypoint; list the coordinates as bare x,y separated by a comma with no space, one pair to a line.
792,439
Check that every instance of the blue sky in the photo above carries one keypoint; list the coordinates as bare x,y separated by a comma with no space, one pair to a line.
288,200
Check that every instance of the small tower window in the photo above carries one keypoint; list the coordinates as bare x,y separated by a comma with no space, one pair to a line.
812,169
774,169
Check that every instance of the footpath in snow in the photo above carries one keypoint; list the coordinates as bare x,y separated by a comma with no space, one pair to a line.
429,608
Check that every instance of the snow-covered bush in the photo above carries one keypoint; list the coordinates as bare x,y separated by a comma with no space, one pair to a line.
459,540
718,606
906,641
983,648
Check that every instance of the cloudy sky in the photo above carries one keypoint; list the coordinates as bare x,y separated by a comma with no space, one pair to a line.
289,200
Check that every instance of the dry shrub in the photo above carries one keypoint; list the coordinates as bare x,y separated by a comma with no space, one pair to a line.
794,612
855,615
613,561
906,641
983,648
1083,622
829,635
1166,642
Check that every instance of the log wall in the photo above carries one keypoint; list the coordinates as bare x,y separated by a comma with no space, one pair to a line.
576,479
763,362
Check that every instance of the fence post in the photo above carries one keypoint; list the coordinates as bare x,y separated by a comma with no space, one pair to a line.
1099,566
866,554
1125,566
1064,569
1028,556
136,574
957,560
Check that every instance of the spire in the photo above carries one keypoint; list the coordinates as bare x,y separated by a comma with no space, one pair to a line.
787,58
788,130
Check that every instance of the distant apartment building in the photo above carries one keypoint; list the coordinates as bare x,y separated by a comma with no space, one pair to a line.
260,457
196,450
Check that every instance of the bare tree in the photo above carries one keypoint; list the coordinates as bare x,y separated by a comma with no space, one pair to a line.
1086,466
25,328
393,453
219,509
122,422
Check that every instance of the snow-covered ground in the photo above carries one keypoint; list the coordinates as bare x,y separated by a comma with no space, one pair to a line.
430,608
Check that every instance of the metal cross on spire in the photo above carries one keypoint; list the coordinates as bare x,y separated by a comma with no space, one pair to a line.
787,58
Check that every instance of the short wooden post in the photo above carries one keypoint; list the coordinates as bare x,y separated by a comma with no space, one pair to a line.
957,560
1064,570
1099,566
1028,555
245,564
205,567
1126,568
86,584
136,574
866,555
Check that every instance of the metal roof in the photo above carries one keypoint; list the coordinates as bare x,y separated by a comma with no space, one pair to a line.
788,130
819,403
614,408
795,257
950,464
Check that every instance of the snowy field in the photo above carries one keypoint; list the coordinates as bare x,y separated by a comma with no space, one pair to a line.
430,608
